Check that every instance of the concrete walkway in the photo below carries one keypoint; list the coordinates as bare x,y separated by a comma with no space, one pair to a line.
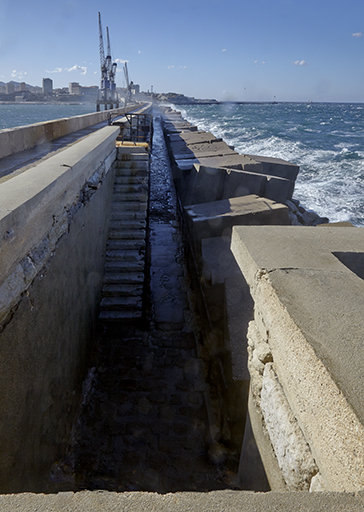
144,424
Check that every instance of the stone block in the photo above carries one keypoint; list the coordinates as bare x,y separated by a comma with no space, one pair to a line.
276,167
243,183
202,184
217,218
278,189
309,303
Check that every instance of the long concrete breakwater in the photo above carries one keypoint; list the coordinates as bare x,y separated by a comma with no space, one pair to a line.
285,380
283,302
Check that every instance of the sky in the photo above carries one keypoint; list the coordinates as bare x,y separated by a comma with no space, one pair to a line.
230,50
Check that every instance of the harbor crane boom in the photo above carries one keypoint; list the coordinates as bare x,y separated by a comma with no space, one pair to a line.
128,84
107,95
102,57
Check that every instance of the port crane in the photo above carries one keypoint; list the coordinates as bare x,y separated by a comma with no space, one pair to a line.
107,94
128,84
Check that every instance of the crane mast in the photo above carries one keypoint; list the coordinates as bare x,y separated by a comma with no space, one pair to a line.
107,94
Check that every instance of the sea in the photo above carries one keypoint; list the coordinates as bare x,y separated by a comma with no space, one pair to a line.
326,140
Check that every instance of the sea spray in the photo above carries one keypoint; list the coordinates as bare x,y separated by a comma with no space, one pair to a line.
325,139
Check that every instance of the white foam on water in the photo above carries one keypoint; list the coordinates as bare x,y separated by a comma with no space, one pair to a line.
327,144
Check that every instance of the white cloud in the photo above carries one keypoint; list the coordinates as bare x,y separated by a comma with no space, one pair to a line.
139,51
120,61
56,70
18,74
177,67
170,67
81,69
263,61
300,63
357,34
224,50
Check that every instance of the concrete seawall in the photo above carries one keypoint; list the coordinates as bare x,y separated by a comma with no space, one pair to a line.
14,140
280,307
53,227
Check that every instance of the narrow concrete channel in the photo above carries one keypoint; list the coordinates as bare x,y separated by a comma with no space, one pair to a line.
145,420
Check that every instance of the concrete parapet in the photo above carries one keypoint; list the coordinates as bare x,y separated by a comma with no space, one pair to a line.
308,291
14,140
53,229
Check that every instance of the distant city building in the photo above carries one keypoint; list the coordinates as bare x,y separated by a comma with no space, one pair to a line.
74,88
135,89
22,87
10,88
47,86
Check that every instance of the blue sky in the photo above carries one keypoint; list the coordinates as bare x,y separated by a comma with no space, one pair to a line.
258,50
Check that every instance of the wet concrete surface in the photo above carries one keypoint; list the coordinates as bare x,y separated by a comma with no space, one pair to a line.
145,420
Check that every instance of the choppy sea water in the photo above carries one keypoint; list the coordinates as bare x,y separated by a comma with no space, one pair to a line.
325,139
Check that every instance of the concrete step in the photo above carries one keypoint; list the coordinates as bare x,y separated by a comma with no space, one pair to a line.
129,206
130,196
126,234
118,303
118,245
131,180
121,289
128,224
132,164
135,171
124,266
121,254
117,316
128,255
134,188
126,216
132,278
132,156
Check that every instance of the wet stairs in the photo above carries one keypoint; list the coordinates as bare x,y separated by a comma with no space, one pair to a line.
122,293
146,422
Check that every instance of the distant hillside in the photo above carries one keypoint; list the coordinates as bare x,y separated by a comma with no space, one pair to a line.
17,84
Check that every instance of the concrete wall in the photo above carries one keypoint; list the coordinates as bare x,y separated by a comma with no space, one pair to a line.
306,356
14,140
53,229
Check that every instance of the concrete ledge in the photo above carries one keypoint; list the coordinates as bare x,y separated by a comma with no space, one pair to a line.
20,138
36,202
216,501
309,299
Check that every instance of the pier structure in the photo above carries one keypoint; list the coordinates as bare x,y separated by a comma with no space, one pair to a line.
157,340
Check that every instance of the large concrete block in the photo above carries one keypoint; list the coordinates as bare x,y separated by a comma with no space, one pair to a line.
277,167
242,183
309,302
202,184
217,218
192,137
278,189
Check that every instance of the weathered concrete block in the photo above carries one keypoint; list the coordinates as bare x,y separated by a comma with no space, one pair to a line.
278,189
200,185
217,218
277,167
291,449
243,183
308,306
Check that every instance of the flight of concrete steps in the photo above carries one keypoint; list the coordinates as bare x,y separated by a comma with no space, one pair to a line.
124,275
